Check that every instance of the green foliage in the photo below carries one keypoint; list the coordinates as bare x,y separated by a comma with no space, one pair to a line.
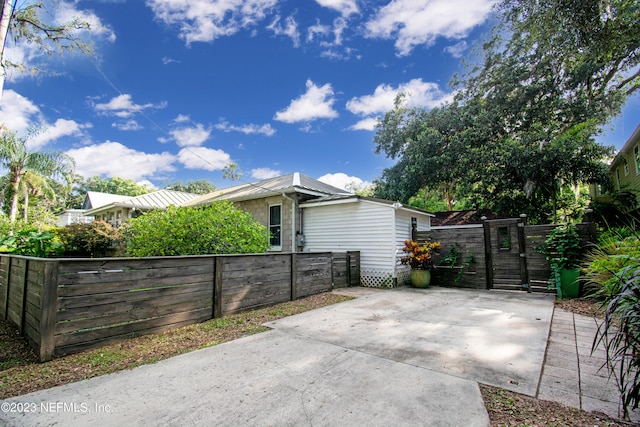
200,186
520,132
31,242
218,228
563,249
611,262
30,172
453,259
87,240
620,334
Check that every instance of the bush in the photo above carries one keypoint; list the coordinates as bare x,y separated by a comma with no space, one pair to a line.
218,228
31,242
611,263
87,240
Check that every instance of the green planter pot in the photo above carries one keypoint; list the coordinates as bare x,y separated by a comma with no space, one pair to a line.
569,283
420,278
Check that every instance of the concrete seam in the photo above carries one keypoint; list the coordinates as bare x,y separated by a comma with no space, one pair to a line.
575,335
546,352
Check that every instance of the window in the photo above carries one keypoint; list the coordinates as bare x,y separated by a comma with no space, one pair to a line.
618,177
275,225
504,238
625,163
636,158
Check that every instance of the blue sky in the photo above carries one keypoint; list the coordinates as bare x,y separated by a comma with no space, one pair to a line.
179,89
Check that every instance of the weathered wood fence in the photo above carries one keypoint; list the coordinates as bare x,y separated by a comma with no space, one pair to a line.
63,306
498,254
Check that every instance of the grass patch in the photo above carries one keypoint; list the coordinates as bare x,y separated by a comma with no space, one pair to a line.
20,372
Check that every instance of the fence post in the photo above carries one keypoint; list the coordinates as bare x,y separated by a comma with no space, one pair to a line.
522,250
348,262
217,286
6,285
49,310
294,277
487,253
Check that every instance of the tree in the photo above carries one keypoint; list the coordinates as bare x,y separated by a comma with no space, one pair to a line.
219,228
523,122
27,24
18,161
200,186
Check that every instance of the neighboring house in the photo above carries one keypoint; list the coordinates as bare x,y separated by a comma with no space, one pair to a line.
74,216
304,214
93,199
120,208
624,170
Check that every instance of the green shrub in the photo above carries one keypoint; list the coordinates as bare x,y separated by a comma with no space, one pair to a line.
563,249
218,228
31,242
87,240
611,263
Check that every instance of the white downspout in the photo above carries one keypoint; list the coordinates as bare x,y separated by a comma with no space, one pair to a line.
293,222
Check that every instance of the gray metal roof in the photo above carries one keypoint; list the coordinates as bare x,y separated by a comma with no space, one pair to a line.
157,200
96,199
291,183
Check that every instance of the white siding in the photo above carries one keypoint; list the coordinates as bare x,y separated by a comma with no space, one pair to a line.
403,232
378,231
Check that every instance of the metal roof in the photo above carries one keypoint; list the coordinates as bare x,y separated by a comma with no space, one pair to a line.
96,199
157,200
291,183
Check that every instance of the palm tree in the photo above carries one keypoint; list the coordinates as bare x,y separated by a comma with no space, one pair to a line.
30,172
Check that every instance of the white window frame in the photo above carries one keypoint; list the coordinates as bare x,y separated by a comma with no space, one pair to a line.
275,247
625,164
636,158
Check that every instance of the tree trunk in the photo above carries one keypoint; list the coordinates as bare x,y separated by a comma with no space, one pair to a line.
26,206
15,185
5,18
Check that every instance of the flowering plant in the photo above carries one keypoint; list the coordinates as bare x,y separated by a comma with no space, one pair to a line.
419,257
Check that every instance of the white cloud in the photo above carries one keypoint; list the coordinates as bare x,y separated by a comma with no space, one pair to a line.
112,159
365,124
457,50
205,158
345,7
18,114
67,12
418,94
128,125
61,128
207,20
264,173
182,118
247,129
412,23
289,29
122,106
344,181
316,103
167,60
190,136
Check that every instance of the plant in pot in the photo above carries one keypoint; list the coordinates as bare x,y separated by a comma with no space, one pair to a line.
420,259
563,249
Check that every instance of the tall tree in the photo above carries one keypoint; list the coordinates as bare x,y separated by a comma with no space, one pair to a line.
19,162
27,24
525,115
200,186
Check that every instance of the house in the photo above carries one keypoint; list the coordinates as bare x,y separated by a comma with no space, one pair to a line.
304,214
117,209
624,170
74,216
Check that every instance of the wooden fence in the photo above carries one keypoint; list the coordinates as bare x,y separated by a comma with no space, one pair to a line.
498,254
63,306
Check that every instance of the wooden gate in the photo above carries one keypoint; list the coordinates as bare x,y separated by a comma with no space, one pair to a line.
506,257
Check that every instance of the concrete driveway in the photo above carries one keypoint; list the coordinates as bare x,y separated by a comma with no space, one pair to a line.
396,357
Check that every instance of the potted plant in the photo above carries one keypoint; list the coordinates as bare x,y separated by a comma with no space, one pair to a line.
563,249
420,259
